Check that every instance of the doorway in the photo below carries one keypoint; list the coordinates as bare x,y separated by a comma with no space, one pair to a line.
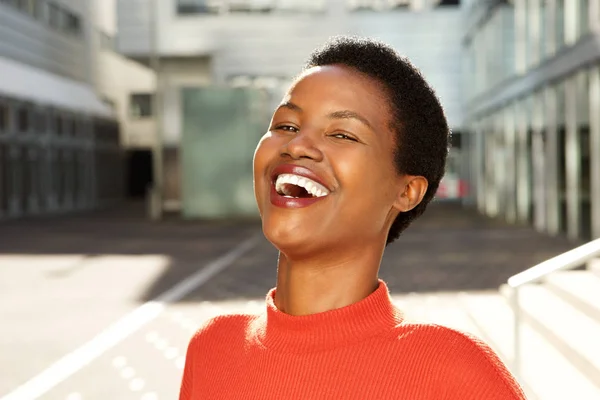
139,173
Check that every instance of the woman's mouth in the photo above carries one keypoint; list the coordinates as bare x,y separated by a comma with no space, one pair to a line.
295,186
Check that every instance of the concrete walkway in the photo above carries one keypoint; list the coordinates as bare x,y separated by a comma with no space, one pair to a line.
63,280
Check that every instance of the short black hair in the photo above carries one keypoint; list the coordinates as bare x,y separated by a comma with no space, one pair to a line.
418,119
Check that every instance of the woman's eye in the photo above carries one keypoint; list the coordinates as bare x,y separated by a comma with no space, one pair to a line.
343,136
287,128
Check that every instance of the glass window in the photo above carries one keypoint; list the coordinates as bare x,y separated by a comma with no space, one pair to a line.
39,9
41,122
67,126
72,127
141,105
584,17
107,41
72,23
449,3
4,117
4,179
58,125
186,7
54,16
190,7
560,24
23,123
26,6
583,130
375,5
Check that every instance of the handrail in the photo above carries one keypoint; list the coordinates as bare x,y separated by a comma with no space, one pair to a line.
566,261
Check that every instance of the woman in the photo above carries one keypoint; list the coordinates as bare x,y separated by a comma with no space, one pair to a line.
354,153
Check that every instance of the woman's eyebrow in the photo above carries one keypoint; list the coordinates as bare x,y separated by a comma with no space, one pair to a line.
348,114
291,106
342,114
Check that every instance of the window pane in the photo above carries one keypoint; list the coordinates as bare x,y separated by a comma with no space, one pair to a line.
197,7
54,16
4,115
23,120
39,9
560,23
40,122
58,125
141,105
72,24
584,17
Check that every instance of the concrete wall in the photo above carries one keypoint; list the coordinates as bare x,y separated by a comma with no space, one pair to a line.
117,77
30,40
175,75
277,44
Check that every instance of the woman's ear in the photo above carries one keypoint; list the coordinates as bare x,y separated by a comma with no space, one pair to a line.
411,191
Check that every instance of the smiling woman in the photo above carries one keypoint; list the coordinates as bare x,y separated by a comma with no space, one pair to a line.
354,153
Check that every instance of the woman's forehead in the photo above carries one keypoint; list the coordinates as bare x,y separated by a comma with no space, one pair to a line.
339,86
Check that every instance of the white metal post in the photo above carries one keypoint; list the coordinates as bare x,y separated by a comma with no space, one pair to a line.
595,149
594,15
522,161
538,155
534,31
571,16
510,184
552,192
156,194
550,28
516,365
572,158
520,36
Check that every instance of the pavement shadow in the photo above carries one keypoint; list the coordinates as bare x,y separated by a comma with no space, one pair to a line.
449,248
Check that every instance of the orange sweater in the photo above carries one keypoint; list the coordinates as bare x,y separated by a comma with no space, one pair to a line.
362,351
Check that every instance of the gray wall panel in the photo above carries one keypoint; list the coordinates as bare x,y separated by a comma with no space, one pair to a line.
33,42
278,44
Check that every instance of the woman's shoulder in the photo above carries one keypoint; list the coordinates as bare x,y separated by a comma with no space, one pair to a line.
447,340
458,357
226,328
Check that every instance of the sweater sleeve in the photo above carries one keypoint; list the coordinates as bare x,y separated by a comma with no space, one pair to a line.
185,392
475,372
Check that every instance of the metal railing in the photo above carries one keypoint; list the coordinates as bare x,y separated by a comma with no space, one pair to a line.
566,261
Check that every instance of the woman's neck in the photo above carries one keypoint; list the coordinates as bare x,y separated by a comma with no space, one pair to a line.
312,286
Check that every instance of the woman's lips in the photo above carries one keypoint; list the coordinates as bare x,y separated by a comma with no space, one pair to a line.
283,201
299,171
291,202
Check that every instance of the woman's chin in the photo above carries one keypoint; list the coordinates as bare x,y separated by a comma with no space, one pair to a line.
286,237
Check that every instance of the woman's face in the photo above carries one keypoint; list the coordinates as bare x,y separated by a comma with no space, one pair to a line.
324,173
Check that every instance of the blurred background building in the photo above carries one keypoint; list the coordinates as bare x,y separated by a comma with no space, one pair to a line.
71,109
106,99
223,65
532,107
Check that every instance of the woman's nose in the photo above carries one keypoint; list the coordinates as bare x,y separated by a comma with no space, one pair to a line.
302,146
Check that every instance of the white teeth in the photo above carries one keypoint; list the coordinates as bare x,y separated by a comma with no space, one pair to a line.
312,187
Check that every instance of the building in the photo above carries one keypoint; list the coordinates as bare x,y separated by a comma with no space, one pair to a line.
129,87
533,112
62,94
224,64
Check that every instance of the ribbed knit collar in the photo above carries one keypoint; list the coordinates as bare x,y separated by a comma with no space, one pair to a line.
371,316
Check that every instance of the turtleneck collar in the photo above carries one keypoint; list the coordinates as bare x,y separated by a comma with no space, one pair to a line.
371,316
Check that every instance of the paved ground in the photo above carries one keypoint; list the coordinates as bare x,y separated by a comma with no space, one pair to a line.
63,281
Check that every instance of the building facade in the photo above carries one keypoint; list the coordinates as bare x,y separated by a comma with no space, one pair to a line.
200,45
532,86
62,96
